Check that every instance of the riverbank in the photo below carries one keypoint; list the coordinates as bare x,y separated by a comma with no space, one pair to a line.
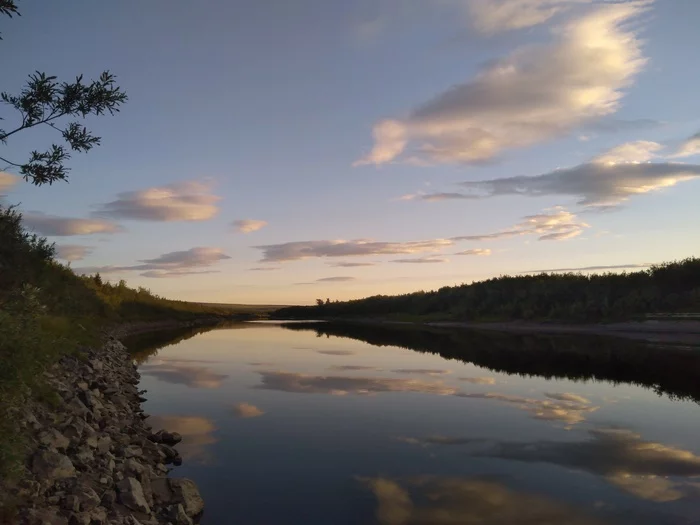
669,332
90,456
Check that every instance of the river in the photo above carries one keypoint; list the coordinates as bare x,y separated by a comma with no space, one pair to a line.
321,424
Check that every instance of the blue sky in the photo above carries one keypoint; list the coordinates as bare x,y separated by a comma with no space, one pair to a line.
342,134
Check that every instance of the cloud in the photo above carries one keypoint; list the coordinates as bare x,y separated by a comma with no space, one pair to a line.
630,152
336,352
590,268
566,408
475,251
353,367
422,371
264,269
335,279
246,410
492,16
689,148
178,372
645,469
196,432
479,380
451,500
248,225
73,252
593,184
182,201
54,225
536,94
350,264
7,181
342,385
421,260
554,224
173,264
296,251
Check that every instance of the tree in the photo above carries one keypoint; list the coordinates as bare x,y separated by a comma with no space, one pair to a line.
319,302
44,101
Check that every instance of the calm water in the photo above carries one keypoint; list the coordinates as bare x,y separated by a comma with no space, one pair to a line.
316,424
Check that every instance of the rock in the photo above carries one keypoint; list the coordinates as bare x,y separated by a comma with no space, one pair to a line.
88,498
48,465
82,385
71,503
52,438
84,455
104,444
91,441
162,493
132,452
79,518
109,498
98,516
131,495
186,492
47,516
166,438
177,515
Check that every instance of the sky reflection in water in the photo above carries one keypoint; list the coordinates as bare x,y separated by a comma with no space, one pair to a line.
283,426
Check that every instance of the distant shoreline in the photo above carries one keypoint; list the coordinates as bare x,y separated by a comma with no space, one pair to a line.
672,332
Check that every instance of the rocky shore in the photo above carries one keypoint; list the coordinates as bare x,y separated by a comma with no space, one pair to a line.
93,459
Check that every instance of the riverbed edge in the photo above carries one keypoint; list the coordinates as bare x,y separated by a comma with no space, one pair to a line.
91,457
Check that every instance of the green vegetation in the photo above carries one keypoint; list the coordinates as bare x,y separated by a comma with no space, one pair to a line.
669,288
47,311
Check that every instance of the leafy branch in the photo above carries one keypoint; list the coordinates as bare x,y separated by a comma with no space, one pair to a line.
44,101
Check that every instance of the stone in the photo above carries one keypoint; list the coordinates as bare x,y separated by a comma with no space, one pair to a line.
88,498
47,516
52,438
162,493
82,385
71,503
104,444
79,518
133,468
109,498
48,465
131,495
91,441
186,492
84,455
132,452
98,516
177,515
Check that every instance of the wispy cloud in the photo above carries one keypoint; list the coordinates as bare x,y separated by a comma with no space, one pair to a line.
643,468
591,268
351,264
182,201
479,380
246,410
295,251
172,264
342,385
340,279
422,371
565,408
248,225
7,181
493,16
422,260
535,94
73,252
264,269
688,148
479,252
183,373
555,224
53,225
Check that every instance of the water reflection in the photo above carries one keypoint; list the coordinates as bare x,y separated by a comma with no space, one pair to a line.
342,385
184,372
398,437
432,500
245,410
197,435
669,370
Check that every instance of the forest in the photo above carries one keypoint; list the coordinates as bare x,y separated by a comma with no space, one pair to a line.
672,287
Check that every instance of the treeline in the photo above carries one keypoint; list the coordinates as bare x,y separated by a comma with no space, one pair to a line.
668,370
46,311
669,288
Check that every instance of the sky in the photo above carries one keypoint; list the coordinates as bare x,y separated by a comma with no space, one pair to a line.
275,152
